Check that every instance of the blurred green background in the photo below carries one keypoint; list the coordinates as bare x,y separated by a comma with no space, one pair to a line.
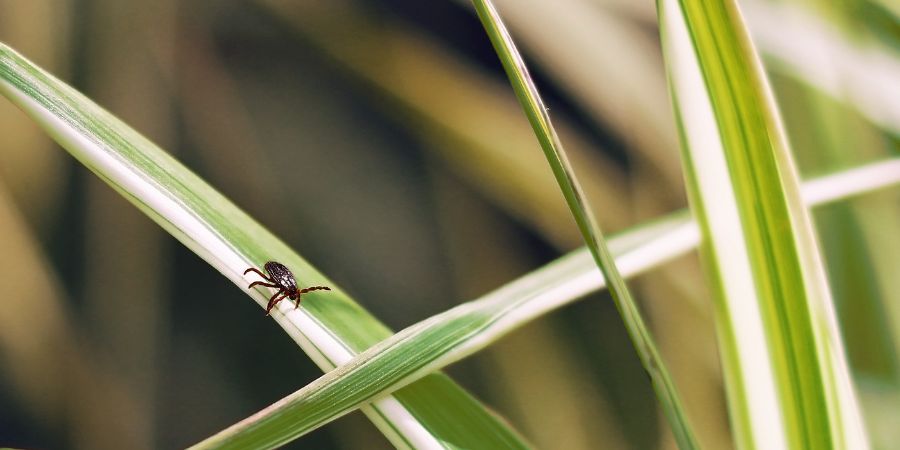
382,141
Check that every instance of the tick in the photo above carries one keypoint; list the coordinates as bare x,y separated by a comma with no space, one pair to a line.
280,277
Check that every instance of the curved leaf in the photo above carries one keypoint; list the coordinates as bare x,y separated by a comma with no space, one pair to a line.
786,374
331,328
539,117
461,331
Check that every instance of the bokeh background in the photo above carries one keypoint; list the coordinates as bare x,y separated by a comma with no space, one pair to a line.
382,141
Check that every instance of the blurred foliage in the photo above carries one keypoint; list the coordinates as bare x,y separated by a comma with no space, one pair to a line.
357,159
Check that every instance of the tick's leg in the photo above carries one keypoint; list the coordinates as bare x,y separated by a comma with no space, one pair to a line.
279,296
260,283
311,288
314,288
265,277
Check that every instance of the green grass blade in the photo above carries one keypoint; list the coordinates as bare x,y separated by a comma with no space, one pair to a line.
539,118
562,40
786,374
455,334
331,327
459,332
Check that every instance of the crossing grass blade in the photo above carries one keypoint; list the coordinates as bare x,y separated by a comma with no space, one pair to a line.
464,330
787,380
331,328
539,118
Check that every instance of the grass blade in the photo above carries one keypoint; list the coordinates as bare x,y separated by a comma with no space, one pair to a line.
539,118
788,381
464,330
331,328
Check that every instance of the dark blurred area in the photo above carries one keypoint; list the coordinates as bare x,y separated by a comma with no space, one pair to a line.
383,143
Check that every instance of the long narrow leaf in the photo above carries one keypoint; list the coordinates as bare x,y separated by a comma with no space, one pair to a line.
787,378
459,332
539,117
331,328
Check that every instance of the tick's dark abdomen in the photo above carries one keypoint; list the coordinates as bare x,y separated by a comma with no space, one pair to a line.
281,275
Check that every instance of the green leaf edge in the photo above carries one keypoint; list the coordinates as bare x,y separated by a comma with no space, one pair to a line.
808,402
230,241
538,116
472,326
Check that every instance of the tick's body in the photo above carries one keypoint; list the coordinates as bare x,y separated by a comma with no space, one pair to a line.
281,278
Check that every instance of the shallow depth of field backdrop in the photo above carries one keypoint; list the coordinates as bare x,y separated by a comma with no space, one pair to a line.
382,141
